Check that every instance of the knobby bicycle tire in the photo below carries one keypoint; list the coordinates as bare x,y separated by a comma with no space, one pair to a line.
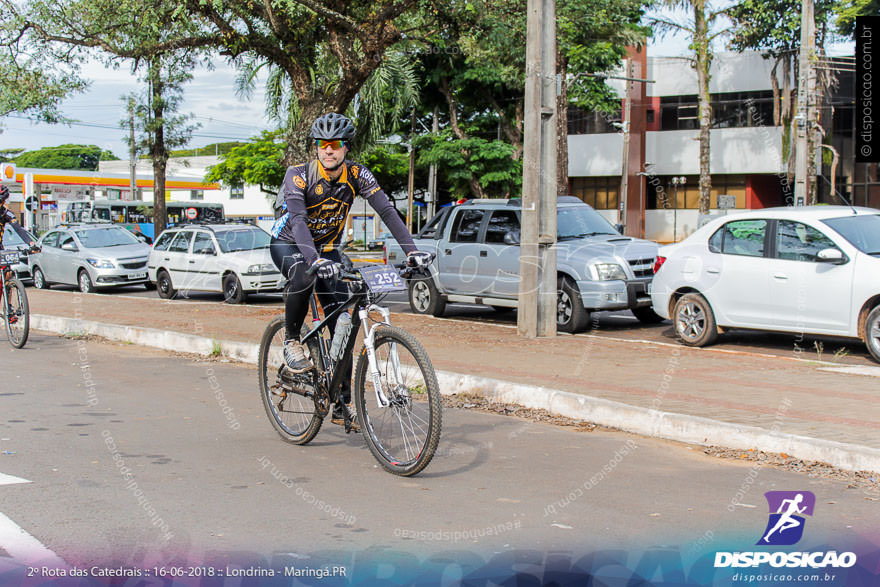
309,425
17,336
413,404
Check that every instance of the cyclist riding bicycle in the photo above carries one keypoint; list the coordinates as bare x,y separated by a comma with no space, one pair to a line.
312,207
8,217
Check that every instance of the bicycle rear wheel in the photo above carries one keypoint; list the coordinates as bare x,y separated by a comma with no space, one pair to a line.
16,313
403,435
290,400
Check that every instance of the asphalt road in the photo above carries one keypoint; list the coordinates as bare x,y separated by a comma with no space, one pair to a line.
139,457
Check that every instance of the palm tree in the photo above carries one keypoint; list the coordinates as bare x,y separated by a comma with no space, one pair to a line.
699,29
390,93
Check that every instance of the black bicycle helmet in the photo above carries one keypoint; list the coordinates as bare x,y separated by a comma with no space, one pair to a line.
4,194
332,126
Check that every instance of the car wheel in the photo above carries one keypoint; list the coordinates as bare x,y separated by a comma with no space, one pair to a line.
424,297
646,315
694,320
40,279
85,282
571,316
872,333
164,287
233,293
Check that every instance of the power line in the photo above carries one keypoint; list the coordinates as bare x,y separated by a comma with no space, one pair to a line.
120,128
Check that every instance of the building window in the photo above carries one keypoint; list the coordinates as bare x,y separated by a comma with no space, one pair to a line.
196,194
599,192
236,192
582,122
729,110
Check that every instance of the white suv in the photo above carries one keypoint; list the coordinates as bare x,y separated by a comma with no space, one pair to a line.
229,258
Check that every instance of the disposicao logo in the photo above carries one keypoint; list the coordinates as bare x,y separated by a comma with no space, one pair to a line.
787,510
785,527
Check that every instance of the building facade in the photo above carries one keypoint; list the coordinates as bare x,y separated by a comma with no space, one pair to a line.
747,166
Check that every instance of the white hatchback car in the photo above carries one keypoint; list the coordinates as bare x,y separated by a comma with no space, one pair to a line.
229,258
809,270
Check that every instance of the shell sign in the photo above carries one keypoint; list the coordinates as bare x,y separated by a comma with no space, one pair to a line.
7,172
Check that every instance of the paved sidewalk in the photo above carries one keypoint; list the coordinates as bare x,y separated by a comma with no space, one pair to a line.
695,395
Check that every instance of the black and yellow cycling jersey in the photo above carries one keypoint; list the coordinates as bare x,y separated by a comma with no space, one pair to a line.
314,207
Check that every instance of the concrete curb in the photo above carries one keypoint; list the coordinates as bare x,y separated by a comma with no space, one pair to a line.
644,421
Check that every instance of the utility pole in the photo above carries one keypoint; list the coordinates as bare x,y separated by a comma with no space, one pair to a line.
132,152
432,173
536,314
411,182
803,182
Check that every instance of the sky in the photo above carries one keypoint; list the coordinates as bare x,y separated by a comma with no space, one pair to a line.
210,96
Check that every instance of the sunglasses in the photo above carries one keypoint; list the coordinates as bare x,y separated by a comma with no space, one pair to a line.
333,144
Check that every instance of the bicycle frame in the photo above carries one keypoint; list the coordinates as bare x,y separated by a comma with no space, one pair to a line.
333,372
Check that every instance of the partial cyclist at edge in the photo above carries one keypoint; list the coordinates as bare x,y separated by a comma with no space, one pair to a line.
311,209
8,217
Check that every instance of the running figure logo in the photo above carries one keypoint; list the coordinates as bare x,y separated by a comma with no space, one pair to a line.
786,524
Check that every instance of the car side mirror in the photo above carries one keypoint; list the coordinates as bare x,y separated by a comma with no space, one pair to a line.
511,238
831,255
69,247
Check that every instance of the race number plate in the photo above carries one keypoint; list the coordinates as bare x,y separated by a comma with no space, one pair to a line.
9,257
382,278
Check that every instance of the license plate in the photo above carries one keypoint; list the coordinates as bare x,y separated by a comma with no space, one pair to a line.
382,278
9,257
142,275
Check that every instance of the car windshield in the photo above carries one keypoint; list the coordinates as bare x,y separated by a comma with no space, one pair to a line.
231,241
863,232
97,238
580,221
11,238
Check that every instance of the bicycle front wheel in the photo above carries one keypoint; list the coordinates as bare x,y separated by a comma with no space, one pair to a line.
402,435
290,400
16,313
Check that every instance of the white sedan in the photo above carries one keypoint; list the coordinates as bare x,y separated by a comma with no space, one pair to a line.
808,270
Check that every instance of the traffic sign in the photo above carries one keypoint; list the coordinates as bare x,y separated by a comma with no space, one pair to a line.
192,213
32,203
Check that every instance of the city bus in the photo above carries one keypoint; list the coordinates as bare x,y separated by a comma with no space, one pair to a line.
131,213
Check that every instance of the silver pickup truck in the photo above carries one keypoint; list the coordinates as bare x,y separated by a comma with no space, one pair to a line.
477,249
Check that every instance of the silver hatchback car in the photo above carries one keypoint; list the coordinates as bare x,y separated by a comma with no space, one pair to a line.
90,256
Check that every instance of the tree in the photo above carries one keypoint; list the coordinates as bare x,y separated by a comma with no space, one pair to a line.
592,36
476,65
704,19
254,163
148,33
32,85
70,156
158,126
774,28
848,10
9,154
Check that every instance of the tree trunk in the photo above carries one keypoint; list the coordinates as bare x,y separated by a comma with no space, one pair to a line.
774,83
562,128
473,182
704,62
298,149
159,154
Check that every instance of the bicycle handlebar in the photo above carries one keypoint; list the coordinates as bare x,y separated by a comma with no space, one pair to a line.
404,269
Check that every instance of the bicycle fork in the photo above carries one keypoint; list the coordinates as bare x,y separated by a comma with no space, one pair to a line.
369,340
